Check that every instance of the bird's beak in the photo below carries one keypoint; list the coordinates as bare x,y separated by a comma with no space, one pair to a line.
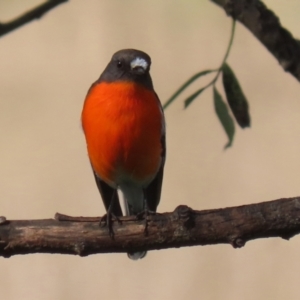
139,65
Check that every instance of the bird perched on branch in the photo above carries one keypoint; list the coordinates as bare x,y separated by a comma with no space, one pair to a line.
124,127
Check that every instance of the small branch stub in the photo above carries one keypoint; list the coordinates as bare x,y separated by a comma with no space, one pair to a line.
2,220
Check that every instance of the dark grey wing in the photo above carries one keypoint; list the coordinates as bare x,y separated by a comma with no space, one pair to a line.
108,195
153,191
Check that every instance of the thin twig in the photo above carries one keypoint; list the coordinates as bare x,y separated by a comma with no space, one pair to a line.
29,16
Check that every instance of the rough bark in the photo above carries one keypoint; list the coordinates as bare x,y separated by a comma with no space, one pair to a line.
183,227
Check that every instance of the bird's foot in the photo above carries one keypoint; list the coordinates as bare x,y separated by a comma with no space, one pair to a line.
143,215
107,220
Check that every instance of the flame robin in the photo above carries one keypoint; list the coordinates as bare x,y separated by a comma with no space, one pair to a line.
124,127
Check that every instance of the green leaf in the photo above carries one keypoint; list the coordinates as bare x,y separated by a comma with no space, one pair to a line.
191,98
185,85
235,97
224,117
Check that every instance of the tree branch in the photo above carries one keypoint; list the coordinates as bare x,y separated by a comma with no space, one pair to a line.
29,16
265,25
183,227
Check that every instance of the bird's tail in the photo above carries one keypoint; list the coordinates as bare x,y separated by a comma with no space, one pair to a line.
137,255
133,207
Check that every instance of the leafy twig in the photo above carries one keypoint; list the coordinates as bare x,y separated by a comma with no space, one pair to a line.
189,100
266,27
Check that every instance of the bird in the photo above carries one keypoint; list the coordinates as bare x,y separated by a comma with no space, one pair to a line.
125,132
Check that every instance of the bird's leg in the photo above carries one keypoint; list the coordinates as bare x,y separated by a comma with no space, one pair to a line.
144,215
107,218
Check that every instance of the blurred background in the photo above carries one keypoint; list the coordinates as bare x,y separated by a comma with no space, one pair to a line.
47,67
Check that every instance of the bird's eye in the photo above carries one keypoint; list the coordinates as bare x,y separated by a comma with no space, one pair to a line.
119,64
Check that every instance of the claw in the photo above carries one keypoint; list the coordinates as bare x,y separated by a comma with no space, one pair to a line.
107,220
144,215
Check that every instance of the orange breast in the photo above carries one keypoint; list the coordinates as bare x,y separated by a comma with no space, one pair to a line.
123,123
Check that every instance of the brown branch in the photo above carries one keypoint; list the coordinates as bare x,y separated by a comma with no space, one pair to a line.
29,16
183,227
265,25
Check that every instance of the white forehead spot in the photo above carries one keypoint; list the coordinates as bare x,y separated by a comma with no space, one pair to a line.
139,62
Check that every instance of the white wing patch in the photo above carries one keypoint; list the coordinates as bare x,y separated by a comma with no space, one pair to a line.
139,62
